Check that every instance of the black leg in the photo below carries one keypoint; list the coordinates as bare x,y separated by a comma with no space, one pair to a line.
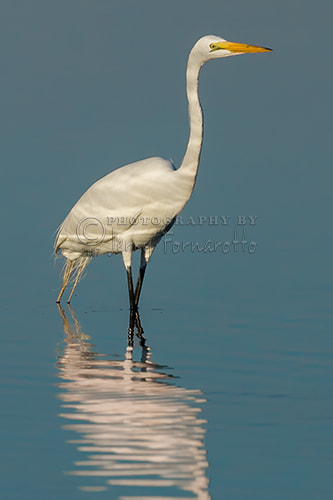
139,283
131,301
130,289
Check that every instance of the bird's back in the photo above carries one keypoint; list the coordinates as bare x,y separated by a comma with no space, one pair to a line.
131,205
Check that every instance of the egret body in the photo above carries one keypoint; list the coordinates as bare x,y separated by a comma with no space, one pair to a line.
132,207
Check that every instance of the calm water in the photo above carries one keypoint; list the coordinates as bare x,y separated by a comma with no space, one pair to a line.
221,400
230,397
135,427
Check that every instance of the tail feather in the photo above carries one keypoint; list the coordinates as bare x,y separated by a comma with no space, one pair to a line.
72,272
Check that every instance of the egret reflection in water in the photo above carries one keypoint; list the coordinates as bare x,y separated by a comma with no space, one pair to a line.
135,427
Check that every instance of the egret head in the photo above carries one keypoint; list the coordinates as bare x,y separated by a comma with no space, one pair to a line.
214,47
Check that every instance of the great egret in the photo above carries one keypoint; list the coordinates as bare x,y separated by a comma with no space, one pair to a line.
135,205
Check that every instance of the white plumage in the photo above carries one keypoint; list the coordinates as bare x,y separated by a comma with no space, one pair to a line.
134,206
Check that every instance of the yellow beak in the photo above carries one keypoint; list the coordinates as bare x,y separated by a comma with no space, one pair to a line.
238,48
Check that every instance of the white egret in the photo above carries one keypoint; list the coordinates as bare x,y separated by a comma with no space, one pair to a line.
132,207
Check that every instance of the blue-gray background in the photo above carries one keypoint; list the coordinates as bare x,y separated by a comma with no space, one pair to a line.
87,86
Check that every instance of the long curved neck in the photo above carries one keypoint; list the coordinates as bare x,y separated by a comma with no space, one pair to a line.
189,166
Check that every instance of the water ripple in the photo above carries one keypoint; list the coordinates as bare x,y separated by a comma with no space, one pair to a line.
136,428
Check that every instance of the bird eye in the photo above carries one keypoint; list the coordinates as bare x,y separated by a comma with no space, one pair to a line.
213,46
